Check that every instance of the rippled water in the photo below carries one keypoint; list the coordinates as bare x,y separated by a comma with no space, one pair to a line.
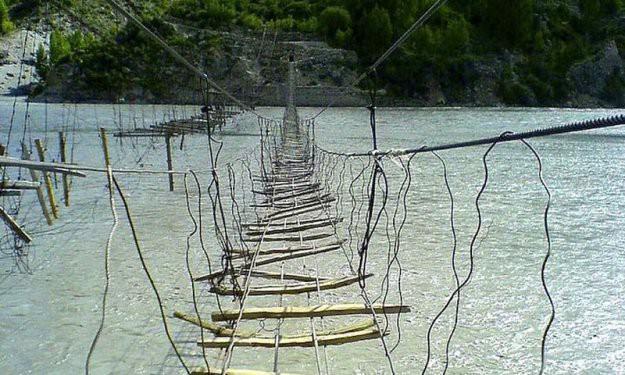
49,315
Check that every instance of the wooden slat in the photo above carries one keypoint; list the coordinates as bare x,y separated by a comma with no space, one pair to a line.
292,229
306,312
308,287
15,227
230,371
294,238
221,331
304,342
40,166
285,276
19,185
270,260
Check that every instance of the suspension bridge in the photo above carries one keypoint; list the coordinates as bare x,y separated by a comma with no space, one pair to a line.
272,281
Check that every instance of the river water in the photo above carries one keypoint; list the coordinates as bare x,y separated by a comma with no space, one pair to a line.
50,305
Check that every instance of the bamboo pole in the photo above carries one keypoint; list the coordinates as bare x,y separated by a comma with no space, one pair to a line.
62,143
169,162
35,177
47,180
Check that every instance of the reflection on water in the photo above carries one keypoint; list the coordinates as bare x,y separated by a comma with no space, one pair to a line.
48,317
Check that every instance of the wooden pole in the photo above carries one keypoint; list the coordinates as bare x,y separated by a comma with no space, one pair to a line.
62,142
105,148
169,162
35,177
47,180
15,227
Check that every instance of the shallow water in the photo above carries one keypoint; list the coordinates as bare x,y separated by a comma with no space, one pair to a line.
49,314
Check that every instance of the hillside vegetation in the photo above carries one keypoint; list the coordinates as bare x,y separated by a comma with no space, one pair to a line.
523,52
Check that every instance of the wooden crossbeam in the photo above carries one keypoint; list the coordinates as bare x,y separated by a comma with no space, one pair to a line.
292,312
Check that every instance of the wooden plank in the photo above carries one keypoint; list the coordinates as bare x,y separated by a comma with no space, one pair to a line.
10,193
47,180
292,229
231,371
291,289
303,342
293,312
216,329
40,196
15,227
296,255
266,261
170,166
287,215
285,276
221,331
19,185
38,166
62,142
310,237
262,224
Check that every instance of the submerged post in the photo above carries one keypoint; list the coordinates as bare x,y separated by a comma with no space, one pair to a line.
62,142
169,161
35,177
47,179
105,147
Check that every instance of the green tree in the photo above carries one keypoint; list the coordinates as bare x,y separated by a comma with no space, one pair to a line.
60,47
510,22
333,20
5,23
42,64
375,33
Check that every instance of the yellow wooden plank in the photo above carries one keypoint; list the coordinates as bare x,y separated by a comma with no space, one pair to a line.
303,342
306,312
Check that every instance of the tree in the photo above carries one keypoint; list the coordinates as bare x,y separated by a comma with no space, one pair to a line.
375,33
510,21
333,20
60,47
41,63
5,24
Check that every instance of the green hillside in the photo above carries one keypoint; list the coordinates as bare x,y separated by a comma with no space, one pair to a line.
531,48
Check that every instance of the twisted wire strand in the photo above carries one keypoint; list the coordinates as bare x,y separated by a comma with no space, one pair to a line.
453,257
552,313
107,252
188,267
148,275
474,238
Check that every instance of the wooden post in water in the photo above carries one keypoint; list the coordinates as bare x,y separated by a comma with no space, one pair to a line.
47,180
62,142
105,147
35,177
169,161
